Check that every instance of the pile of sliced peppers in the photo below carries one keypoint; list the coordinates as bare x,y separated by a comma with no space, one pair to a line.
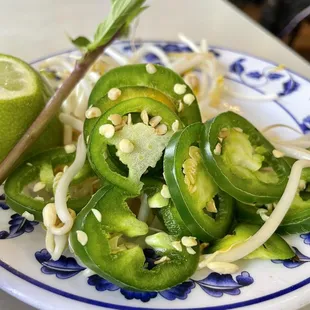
157,178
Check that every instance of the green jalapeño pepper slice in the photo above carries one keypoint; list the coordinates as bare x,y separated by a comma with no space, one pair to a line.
206,211
274,248
139,144
241,161
108,246
170,217
105,103
162,84
296,220
46,167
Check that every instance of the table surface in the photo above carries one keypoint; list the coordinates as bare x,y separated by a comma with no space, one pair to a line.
35,28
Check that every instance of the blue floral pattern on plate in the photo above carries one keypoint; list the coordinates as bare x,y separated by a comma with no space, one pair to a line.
288,87
64,268
18,226
214,284
294,262
237,67
218,284
305,126
275,76
3,205
306,238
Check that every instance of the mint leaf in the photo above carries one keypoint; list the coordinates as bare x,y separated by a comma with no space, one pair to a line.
135,13
122,13
80,42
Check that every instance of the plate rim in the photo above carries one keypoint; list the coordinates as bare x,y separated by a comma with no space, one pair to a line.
102,304
219,47
253,301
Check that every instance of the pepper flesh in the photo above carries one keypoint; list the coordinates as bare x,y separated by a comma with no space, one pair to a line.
163,81
127,93
246,170
297,219
274,248
192,203
41,167
126,267
148,145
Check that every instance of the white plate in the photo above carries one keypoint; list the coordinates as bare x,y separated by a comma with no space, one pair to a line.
28,273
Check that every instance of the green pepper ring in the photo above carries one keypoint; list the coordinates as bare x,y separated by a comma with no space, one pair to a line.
162,80
126,268
98,143
297,219
27,172
104,103
204,227
248,191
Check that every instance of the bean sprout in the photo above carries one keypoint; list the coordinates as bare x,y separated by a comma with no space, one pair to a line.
148,48
118,57
71,121
241,250
62,189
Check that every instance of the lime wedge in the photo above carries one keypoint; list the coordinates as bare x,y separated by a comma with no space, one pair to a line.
23,94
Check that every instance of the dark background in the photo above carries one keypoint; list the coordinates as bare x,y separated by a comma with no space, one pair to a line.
289,20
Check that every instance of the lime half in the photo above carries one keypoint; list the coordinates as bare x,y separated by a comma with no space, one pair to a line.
23,94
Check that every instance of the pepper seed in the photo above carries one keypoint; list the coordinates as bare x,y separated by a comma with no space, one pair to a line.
218,149
119,127
92,113
114,93
302,185
238,129
161,129
175,125
177,245
223,133
126,146
211,207
39,198
162,260
116,119
189,241
189,99
97,215
145,117
28,216
190,251
181,106
165,192
179,89
154,121
222,267
38,186
129,119
150,68
107,130
277,154
82,237
70,148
